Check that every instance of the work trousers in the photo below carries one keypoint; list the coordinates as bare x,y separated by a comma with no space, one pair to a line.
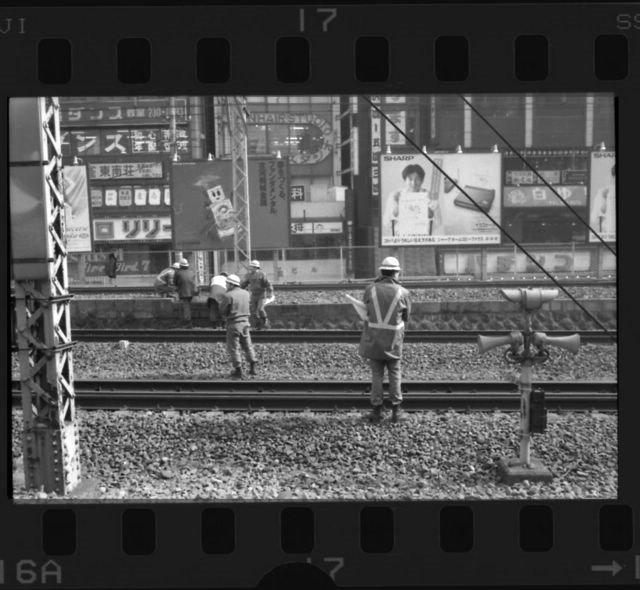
239,336
395,377
257,310
164,289
186,308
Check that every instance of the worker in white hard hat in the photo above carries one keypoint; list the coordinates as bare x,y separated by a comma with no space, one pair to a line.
388,308
234,307
217,291
165,282
185,281
260,289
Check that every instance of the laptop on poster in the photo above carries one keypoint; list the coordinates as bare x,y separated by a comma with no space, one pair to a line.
482,196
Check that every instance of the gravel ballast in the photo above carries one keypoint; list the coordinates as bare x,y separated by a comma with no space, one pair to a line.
319,361
335,456
271,456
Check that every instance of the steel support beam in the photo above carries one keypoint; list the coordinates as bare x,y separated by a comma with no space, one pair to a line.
42,318
234,114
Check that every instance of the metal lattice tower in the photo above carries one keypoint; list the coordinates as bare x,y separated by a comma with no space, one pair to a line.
234,113
43,330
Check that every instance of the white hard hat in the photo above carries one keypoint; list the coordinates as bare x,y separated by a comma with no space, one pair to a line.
233,280
255,263
390,263
184,262
175,265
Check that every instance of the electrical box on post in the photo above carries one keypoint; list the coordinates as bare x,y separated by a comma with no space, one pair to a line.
537,412
29,220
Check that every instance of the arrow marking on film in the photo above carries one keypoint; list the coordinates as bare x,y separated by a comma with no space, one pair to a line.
614,568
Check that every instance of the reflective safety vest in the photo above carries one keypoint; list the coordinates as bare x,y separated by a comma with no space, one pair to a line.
383,334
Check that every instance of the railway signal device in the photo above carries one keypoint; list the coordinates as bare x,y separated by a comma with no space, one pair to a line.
530,300
538,412
526,349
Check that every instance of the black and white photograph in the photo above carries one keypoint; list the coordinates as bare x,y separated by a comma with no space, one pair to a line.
313,298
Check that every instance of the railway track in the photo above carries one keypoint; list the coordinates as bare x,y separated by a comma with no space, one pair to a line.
328,395
462,282
296,336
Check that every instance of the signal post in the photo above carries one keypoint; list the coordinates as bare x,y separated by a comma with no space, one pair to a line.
526,349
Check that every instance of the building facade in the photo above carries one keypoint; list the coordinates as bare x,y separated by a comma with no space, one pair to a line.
337,152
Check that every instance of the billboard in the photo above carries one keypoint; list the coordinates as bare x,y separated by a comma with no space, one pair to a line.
204,213
118,170
88,112
542,196
420,206
561,260
76,208
317,227
132,229
602,188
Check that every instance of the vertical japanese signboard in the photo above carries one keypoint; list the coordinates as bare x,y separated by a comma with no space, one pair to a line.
602,209
203,213
420,206
76,208
376,148
269,205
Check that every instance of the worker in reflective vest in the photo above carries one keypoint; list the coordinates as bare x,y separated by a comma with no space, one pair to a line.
388,308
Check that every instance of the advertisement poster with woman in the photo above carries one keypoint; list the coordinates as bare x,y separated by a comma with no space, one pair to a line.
420,206
76,208
602,211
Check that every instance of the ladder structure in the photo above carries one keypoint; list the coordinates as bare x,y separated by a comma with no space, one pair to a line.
42,310
234,115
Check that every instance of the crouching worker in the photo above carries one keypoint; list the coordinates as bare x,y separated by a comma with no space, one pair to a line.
234,307
217,291
165,281
388,308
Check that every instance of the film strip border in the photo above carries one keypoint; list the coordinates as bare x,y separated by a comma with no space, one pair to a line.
326,49
431,542
371,59
321,48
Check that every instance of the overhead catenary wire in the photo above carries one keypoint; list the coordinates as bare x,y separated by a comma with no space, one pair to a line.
488,216
533,169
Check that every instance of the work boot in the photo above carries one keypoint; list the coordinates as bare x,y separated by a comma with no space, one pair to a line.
396,413
252,368
376,414
236,373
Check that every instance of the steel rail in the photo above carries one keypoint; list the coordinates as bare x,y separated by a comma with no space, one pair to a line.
462,283
296,336
328,395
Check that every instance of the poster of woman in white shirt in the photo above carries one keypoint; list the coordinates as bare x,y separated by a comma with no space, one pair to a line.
602,212
76,208
420,205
